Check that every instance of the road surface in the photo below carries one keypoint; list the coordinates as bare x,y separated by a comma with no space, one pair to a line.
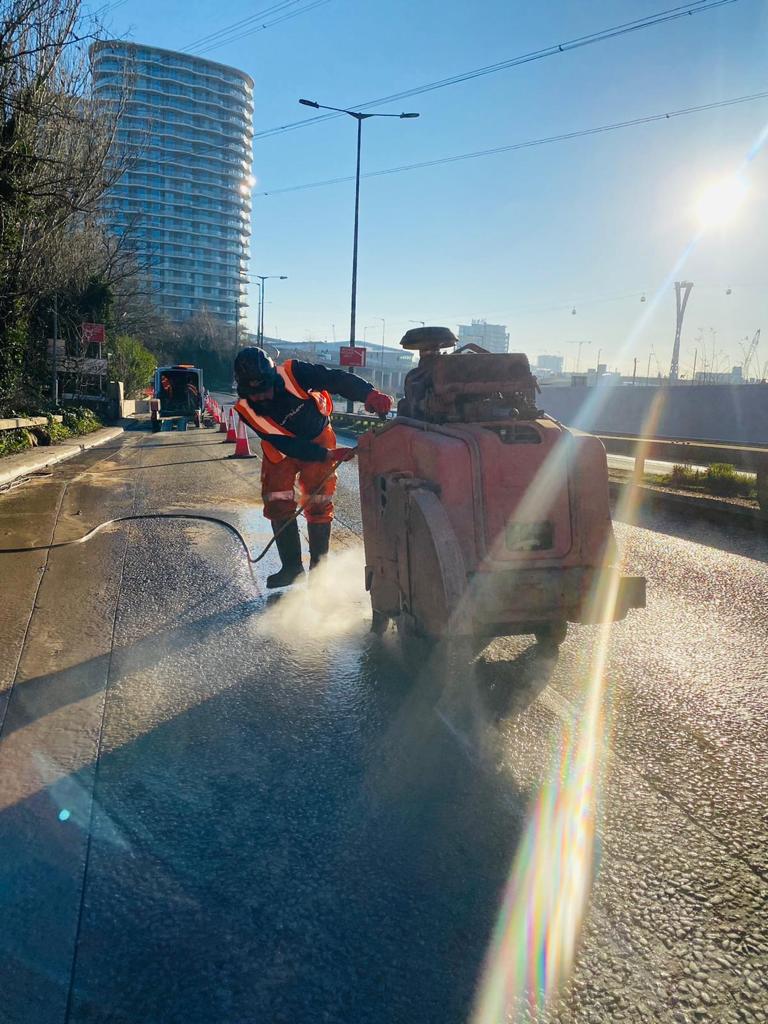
218,807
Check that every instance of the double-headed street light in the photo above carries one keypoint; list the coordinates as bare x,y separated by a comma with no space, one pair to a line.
359,117
261,278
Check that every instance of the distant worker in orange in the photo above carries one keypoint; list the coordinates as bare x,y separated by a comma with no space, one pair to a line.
289,407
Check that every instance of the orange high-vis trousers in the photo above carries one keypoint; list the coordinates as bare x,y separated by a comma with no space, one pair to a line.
278,485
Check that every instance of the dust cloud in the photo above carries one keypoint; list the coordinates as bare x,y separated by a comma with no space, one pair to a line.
332,604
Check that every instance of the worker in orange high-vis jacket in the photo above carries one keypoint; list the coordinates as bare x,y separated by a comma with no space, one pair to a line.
289,407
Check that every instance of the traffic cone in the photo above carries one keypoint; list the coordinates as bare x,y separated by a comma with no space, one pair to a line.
231,432
223,423
242,447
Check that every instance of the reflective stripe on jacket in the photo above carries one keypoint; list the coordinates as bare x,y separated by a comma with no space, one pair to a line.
266,425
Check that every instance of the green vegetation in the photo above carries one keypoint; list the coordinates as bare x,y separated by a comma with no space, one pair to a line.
132,363
720,479
76,421
57,160
14,441
81,421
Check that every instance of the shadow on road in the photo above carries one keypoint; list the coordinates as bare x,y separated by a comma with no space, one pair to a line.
283,827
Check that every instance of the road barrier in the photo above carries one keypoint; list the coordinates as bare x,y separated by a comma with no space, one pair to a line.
747,458
353,422
19,423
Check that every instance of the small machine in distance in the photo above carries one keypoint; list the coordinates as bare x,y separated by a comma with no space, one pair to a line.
179,397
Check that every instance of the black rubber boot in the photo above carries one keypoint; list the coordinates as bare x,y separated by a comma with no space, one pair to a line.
289,547
319,539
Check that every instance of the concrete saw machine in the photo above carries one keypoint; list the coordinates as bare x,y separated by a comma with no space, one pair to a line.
483,516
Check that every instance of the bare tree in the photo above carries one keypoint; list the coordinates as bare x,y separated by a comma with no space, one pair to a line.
59,154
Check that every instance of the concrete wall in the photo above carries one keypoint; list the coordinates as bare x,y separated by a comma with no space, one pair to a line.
717,412
131,406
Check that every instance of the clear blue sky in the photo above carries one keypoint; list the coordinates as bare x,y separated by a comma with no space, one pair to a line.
517,238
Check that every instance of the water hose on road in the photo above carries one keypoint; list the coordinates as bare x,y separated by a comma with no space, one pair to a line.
195,516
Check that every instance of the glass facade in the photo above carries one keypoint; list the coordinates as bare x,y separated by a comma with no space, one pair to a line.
184,204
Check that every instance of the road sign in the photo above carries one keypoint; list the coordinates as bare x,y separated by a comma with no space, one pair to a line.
75,364
93,334
352,355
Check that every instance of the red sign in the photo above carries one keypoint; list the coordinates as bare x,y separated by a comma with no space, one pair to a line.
93,334
352,355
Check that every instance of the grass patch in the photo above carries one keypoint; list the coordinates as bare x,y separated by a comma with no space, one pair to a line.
720,479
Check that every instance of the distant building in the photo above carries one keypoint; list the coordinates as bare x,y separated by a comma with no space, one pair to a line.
553,363
184,203
385,367
735,376
494,337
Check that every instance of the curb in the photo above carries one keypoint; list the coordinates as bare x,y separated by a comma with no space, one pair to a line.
15,467
711,509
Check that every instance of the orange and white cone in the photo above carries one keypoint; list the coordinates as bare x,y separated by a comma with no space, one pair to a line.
231,432
223,429
242,447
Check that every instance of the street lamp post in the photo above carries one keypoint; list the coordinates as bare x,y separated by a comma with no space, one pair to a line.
359,117
262,278
578,352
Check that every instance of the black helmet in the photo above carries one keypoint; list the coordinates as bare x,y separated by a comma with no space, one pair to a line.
254,371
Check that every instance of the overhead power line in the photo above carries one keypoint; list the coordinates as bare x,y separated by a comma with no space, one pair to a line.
529,143
277,13
672,14
244,22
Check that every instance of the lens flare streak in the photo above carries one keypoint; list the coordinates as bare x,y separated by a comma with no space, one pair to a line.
533,946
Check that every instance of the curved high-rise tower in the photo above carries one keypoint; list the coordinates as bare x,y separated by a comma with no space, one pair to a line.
185,201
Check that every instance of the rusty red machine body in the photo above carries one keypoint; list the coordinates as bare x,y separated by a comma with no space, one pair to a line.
483,516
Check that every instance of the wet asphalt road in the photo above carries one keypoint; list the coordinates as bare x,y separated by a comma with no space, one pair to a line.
219,808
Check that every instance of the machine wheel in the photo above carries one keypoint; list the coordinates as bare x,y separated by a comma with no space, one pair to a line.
551,635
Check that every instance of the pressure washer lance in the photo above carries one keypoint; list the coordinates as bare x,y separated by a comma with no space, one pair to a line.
197,516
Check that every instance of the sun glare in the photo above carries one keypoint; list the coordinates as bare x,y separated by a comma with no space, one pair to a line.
720,202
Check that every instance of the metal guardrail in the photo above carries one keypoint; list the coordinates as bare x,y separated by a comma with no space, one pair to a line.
353,422
747,458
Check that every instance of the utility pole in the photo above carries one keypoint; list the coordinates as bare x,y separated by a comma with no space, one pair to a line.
695,357
634,371
682,292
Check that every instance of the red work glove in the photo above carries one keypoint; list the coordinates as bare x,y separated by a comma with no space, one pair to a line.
378,402
341,454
